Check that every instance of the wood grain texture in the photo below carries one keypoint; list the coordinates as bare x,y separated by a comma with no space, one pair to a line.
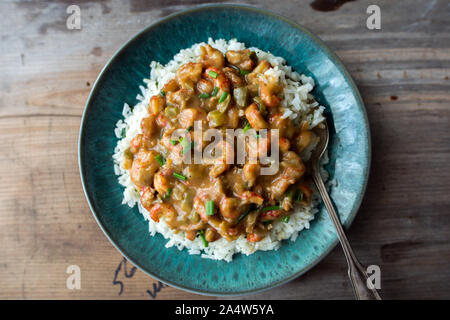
47,72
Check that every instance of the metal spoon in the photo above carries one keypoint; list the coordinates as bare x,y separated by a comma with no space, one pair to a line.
356,271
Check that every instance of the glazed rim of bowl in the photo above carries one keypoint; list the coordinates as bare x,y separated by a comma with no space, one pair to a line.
333,57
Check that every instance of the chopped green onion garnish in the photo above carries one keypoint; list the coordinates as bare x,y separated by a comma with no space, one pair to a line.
244,72
290,193
167,195
203,95
209,208
213,74
300,197
179,176
223,97
163,93
186,145
160,159
214,92
270,208
189,128
247,126
242,216
173,142
124,132
285,219
201,233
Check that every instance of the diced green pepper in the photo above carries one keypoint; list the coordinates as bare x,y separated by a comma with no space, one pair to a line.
194,217
128,154
240,96
261,106
171,112
216,118
186,203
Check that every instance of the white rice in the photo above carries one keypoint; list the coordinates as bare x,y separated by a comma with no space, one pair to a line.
298,105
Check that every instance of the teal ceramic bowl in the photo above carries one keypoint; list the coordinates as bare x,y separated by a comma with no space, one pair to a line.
119,82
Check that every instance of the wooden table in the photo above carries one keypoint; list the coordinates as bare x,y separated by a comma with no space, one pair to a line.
47,72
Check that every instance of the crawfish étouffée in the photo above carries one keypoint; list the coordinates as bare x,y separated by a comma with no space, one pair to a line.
219,199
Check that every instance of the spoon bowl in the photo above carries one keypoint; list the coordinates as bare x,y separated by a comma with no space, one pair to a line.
321,130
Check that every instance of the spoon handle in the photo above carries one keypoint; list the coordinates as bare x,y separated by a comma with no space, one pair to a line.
356,272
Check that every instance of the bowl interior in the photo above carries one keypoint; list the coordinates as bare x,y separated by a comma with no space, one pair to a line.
119,82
